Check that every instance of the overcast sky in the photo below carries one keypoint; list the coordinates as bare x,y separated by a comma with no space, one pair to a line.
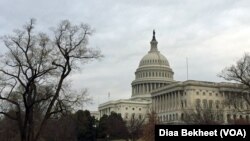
213,34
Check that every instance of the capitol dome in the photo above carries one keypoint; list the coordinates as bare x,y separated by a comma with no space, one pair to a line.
154,58
153,72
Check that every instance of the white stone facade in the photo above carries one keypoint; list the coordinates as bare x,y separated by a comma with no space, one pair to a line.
126,108
171,101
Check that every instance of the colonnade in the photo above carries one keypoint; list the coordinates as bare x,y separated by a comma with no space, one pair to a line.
145,88
168,101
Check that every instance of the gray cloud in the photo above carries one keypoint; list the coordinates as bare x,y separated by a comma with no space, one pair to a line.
212,34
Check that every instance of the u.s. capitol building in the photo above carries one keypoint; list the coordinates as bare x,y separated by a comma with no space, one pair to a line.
154,89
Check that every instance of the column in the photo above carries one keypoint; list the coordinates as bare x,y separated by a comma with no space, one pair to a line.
139,88
156,104
153,104
175,104
167,101
173,100
164,105
178,100
147,88
160,104
143,87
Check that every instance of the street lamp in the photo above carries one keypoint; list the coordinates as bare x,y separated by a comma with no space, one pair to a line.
95,132
107,137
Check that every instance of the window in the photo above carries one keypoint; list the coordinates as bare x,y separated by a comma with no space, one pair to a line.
204,93
241,117
221,117
140,117
126,108
198,103
205,104
182,116
235,117
185,103
133,116
241,105
197,93
217,104
139,109
228,118
133,109
221,94
126,116
210,103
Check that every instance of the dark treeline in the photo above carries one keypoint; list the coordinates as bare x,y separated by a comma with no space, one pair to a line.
81,126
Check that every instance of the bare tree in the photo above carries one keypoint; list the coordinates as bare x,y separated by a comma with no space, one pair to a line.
239,101
135,127
200,115
149,127
33,74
